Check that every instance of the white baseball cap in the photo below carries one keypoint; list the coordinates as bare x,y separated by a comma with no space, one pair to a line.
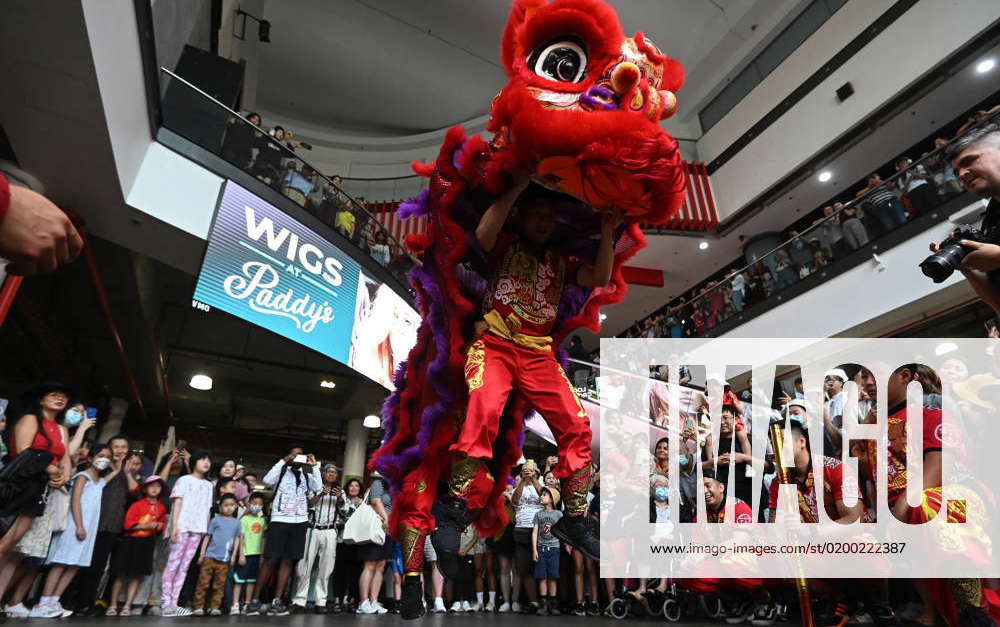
837,373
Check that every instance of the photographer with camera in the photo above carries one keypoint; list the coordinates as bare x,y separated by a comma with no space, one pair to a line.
293,477
975,159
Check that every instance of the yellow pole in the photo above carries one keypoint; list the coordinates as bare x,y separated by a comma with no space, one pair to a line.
801,583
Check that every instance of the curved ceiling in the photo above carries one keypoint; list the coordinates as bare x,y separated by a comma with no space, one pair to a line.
398,67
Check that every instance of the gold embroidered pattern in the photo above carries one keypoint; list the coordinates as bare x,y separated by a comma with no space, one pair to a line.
463,471
575,490
409,540
420,486
531,288
475,365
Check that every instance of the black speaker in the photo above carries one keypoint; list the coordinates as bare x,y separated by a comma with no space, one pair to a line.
188,112
845,91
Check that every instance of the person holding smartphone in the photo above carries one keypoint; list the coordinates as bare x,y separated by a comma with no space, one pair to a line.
292,477
321,544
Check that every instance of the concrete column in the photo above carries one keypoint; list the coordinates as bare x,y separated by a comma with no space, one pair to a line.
355,451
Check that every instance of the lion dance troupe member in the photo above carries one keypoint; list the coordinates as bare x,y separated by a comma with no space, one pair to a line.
580,115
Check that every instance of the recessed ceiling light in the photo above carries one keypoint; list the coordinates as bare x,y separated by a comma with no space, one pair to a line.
201,382
986,65
372,421
604,317
825,176
703,246
326,383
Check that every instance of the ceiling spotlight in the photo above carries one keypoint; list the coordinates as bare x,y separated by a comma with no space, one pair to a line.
986,65
604,317
201,382
703,246
372,421
825,176
326,383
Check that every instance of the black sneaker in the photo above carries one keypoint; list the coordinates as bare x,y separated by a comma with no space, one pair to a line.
532,608
554,608
574,531
832,614
412,605
543,609
740,612
579,609
593,609
764,615
252,609
278,608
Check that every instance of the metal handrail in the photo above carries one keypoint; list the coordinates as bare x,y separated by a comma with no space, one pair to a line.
674,304
293,155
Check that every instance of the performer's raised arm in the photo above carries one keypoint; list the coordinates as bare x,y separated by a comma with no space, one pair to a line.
492,221
599,274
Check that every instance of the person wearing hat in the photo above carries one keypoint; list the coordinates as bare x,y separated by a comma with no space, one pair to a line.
144,522
546,551
833,411
38,447
321,545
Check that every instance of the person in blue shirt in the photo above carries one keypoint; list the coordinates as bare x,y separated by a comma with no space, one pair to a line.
217,556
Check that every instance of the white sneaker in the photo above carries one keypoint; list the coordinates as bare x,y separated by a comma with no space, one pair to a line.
504,608
489,607
379,608
515,607
46,610
17,611
439,607
467,607
456,607
234,610
366,607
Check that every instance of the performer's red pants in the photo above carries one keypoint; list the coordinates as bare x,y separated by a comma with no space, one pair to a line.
496,367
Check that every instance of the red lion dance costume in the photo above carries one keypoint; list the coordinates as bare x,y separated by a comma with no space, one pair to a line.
581,112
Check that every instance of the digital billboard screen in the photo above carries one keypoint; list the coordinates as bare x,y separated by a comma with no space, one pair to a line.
267,268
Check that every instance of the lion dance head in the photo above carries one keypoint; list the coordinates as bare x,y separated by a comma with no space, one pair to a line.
583,105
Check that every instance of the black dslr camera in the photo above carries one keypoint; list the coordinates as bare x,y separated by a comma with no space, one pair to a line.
950,254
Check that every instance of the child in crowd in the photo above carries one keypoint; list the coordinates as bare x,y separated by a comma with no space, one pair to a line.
192,502
217,556
73,547
546,554
144,522
250,545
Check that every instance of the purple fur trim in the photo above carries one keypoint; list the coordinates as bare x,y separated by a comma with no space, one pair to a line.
416,207
398,464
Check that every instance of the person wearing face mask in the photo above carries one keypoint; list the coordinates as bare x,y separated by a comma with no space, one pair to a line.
76,418
73,547
253,524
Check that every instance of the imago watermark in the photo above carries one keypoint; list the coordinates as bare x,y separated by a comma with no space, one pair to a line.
763,458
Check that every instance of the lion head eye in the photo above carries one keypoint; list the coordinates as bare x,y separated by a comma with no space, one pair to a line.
564,61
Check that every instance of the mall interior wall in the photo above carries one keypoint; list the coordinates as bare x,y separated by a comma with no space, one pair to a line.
921,38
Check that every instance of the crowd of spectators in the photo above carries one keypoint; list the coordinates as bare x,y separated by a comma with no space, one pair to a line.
93,526
950,386
269,155
873,209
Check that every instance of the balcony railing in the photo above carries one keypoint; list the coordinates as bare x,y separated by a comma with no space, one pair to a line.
871,223
272,160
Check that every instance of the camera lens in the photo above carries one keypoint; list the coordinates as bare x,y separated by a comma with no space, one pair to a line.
943,263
